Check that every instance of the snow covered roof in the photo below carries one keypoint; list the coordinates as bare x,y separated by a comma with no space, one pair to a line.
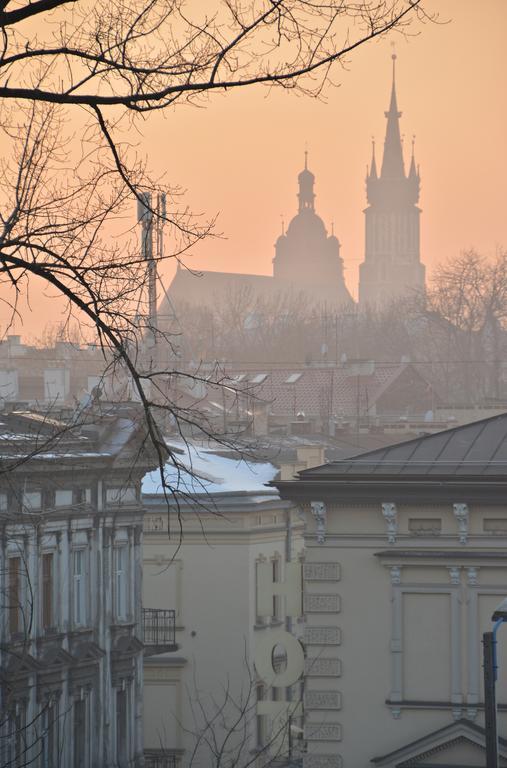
194,470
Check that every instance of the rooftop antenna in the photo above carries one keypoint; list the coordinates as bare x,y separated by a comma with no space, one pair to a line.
147,211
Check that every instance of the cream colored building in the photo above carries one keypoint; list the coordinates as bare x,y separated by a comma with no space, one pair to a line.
232,523
405,561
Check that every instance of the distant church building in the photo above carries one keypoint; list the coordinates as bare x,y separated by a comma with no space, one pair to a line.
306,258
306,261
392,265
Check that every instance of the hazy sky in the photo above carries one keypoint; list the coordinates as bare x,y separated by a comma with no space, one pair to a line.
240,155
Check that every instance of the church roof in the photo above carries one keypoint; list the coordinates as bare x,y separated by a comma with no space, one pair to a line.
477,449
206,287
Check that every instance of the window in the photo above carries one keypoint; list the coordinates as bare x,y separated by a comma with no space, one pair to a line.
63,498
276,579
82,496
260,720
120,585
47,592
121,729
259,378
80,736
79,588
32,501
16,741
16,624
292,378
126,495
50,747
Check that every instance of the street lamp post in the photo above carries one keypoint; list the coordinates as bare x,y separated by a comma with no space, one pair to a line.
490,678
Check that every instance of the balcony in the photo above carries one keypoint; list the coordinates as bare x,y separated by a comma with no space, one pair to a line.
159,636
159,758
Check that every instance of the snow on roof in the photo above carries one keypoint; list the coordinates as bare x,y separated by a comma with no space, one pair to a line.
197,470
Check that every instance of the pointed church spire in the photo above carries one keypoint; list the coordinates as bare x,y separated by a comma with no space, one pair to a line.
392,163
373,172
413,170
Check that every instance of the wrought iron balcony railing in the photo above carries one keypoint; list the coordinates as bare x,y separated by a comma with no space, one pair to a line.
155,758
159,630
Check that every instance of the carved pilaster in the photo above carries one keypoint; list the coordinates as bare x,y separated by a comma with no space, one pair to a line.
472,577
390,514
461,513
454,574
395,573
319,513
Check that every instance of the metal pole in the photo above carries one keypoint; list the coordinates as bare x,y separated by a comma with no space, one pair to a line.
489,656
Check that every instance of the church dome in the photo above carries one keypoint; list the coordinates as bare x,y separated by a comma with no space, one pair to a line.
306,224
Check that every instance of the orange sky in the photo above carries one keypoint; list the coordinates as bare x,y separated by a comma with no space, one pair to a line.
240,156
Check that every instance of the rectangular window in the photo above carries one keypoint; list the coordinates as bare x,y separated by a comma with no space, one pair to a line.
47,592
80,736
121,582
260,720
82,496
32,501
15,596
127,495
50,751
276,579
16,741
79,590
121,729
63,498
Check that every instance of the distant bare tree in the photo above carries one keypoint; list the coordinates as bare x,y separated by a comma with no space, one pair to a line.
225,731
466,310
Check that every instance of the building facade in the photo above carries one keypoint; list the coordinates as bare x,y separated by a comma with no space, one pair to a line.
392,267
405,561
73,630
205,698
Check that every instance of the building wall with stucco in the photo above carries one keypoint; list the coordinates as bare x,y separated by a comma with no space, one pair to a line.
210,580
396,600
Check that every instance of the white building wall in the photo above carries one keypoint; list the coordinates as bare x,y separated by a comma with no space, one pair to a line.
211,583
399,637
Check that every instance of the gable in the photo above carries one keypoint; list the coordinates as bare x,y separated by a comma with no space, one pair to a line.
460,744
461,752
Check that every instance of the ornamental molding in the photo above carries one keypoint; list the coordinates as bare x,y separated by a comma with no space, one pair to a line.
321,571
323,699
323,666
319,514
321,603
322,636
455,574
323,732
395,574
461,513
390,513
322,761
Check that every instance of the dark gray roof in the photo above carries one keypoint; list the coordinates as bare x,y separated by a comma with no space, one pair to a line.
477,449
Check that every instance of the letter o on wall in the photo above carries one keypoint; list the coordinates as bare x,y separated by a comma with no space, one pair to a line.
264,658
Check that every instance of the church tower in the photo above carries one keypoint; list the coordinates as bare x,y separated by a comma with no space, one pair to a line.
392,265
306,259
